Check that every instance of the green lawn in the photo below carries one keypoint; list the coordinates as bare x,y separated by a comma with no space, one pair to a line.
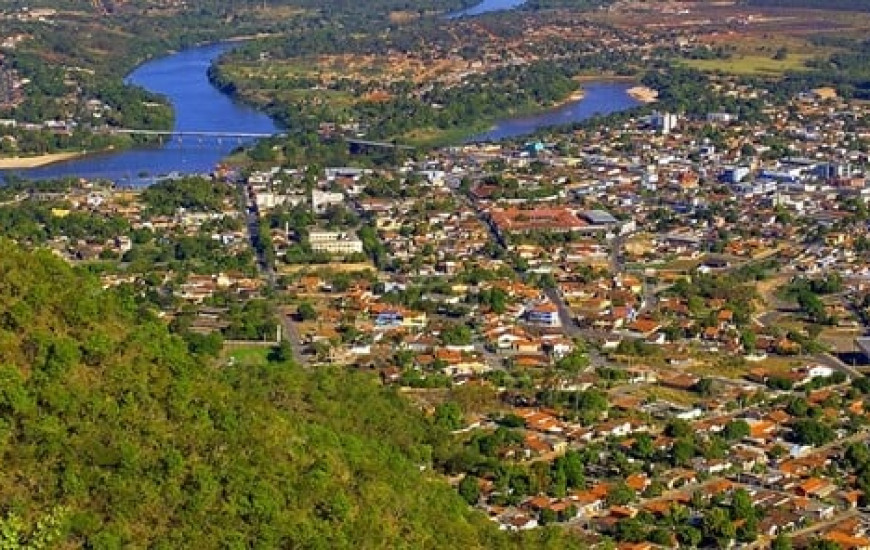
248,356
756,65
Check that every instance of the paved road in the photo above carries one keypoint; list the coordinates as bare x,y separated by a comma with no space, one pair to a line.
568,324
267,272
291,334
834,362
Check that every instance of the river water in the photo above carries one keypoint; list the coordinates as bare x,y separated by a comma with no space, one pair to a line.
599,98
182,78
487,6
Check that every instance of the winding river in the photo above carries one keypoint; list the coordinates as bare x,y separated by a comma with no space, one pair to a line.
182,78
599,98
487,6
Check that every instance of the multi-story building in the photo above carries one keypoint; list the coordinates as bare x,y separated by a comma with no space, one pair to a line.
335,242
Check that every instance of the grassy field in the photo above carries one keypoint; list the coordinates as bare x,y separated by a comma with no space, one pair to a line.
333,267
752,65
754,54
671,395
433,137
247,356
725,369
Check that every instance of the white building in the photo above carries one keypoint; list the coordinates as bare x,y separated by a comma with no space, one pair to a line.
321,200
664,122
335,242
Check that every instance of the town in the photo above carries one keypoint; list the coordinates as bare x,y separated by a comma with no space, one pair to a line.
651,332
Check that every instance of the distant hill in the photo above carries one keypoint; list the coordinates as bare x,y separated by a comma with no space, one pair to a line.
112,435
849,5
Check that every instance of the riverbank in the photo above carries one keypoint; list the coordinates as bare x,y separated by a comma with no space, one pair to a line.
597,98
574,96
23,163
643,94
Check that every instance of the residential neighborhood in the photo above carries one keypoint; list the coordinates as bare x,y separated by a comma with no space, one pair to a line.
639,332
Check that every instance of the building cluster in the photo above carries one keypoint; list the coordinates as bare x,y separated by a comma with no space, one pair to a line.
653,307
647,261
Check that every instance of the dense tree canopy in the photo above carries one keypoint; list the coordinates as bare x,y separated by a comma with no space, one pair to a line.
115,435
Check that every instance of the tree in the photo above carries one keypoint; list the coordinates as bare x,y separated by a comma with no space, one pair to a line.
824,544
717,526
741,505
306,312
858,455
448,415
660,536
630,530
781,542
735,430
678,427
797,406
704,387
575,472
749,340
574,362
689,536
548,516
682,452
811,432
748,530
469,489
281,353
620,494
642,446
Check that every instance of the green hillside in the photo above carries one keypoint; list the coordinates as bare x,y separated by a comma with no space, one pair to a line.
113,436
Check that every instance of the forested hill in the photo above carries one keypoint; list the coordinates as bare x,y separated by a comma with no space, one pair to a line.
113,436
849,5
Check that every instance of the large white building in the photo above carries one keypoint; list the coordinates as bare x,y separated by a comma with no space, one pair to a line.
322,200
335,242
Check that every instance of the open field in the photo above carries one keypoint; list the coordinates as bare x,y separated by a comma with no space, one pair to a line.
756,53
751,35
725,369
671,395
751,65
247,356
330,267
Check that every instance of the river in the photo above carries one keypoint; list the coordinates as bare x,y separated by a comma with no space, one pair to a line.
487,6
599,98
182,78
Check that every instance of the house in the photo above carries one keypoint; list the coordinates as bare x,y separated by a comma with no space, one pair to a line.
545,314
778,520
617,428
847,541
588,503
622,512
520,522
638,482
761,429
643,328
816,487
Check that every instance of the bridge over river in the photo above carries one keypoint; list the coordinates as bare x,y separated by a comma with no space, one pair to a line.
220,134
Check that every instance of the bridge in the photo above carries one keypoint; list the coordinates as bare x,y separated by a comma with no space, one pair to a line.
219,134
193,133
